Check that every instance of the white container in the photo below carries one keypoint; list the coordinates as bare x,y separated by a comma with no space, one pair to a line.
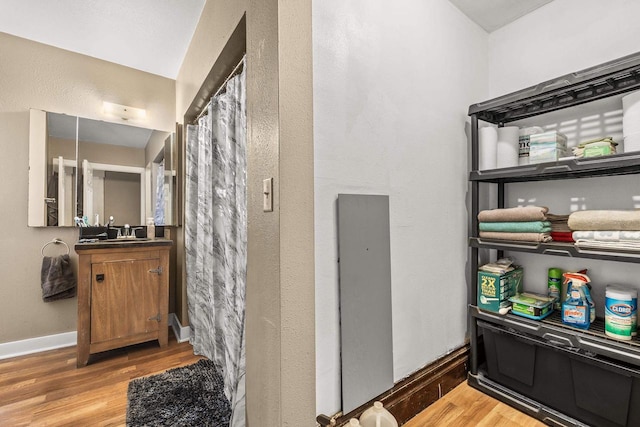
523,143
508,146
620,312
353,422
151,228
377,416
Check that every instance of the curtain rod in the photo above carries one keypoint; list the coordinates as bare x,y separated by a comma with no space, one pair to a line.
234,72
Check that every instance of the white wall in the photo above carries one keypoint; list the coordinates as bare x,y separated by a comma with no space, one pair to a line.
559,38
392,84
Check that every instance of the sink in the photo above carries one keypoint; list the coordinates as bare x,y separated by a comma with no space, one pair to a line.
124,240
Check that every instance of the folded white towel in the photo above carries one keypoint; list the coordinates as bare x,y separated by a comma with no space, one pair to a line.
607,236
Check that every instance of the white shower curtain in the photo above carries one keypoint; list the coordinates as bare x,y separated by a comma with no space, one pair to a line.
216,238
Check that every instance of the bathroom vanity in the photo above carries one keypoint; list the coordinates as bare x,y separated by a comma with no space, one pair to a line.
123,291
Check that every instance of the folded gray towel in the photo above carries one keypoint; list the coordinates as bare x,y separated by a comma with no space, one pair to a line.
57,278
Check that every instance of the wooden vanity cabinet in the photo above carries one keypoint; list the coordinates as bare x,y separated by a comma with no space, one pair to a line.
123,292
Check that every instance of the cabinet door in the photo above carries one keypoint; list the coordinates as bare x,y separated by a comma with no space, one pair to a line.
124,299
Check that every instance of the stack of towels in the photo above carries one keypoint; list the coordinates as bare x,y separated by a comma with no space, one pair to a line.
560,231
523,224
606,229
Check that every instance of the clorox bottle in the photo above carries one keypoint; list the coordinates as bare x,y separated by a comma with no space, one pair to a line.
578,309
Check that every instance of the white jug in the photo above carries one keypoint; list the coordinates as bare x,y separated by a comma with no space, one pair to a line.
377,416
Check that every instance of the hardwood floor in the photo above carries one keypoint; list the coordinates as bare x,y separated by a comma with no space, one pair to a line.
465,406
47,388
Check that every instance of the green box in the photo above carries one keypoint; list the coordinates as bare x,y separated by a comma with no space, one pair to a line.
531,305
594,150
494,290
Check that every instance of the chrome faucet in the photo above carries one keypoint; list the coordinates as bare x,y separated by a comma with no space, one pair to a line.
132,232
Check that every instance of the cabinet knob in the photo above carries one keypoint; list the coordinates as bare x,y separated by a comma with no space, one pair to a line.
99,278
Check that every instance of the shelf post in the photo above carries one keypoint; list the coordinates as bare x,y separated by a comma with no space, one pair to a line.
473,261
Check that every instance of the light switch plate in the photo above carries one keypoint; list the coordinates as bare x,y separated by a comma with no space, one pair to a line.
267,195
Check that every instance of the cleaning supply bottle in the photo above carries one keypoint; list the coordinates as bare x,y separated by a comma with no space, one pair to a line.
151,228
554,285
578,309
377,416
620,312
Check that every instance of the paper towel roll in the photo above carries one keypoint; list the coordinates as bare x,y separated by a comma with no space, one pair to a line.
631,113
508,146
632,142
488,144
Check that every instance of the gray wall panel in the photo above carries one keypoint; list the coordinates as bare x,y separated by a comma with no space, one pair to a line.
365,298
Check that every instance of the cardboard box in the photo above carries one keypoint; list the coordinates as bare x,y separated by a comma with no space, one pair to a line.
531,305
547,147
553,137
494,290
548,152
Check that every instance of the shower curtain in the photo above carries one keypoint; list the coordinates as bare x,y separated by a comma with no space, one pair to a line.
216,238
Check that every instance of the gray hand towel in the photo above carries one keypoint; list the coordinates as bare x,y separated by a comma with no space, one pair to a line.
57,278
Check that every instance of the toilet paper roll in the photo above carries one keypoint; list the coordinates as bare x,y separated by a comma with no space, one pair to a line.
630,124
632,142
488,145
631,113
508,147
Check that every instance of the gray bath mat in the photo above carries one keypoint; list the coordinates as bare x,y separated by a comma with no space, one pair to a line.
189,396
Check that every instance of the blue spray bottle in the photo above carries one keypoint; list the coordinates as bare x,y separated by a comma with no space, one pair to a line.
578,309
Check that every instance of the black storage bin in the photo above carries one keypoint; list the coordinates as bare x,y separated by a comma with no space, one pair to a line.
591,390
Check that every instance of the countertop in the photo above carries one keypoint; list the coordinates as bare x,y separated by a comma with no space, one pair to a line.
122,243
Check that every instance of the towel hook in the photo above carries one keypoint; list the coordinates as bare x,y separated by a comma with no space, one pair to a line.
55,241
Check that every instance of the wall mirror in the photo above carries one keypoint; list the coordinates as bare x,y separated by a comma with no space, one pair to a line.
94,170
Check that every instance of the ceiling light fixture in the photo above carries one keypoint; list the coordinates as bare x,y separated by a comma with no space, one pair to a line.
124,111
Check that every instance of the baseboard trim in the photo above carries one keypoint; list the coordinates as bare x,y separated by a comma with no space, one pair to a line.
182,333
414,393
36,345
68,339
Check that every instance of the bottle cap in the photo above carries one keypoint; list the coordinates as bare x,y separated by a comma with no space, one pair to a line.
555,273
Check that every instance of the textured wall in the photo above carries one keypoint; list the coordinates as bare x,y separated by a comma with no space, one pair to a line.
391,90
34,75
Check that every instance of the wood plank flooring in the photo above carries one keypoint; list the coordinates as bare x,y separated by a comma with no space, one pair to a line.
465,406
46,389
